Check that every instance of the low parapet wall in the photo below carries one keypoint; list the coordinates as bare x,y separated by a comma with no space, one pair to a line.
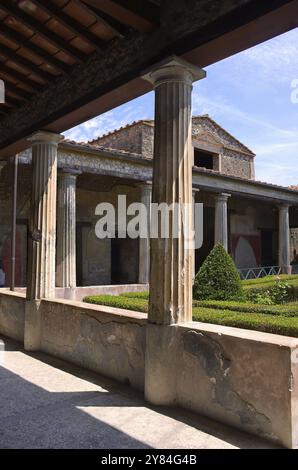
244,378
103,339
12,314
78,293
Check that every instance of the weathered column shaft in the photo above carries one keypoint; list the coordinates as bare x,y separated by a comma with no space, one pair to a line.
66,230
171,261
221,220
284,240
41,263
144,247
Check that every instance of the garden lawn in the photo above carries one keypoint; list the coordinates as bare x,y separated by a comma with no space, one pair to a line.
278,319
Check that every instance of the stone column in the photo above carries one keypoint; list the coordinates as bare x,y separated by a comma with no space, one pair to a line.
42,248
221,220
194,192
284,239
66,229
171,262
144,247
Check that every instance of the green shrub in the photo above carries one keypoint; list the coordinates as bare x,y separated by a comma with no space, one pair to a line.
218,278
279,292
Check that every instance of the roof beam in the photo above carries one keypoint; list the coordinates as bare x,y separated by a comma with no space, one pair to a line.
25,42
14,74
40,28
70,23
10,87
18,59
145,9
129,13
118,28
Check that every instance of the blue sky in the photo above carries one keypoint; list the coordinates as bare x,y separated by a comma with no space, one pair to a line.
249,94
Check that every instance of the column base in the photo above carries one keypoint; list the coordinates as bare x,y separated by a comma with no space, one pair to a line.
32,333
286,270
160,364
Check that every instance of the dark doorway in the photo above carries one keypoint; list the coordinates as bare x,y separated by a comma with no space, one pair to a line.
203,159
79,250
124,260
267,258
208,237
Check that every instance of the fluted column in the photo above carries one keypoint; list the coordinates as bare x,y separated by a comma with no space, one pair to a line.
284,239
171,262
144,247
221,220
66,229
41,262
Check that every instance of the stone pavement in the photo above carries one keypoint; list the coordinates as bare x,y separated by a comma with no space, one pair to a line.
47,403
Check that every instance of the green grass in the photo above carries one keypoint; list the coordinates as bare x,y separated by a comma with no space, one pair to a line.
278,319
268,281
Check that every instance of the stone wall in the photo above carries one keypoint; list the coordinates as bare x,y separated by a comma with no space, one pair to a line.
244,378
231,157
235,164
12,314
103,339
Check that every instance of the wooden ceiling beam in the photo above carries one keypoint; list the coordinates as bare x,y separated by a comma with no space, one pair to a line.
17,91
124,12
118,28
14,74
145,9
18,59
25,42
40,28
70,23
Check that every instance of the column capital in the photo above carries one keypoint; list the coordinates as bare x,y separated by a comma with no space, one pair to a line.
223,197
173,69
43,137
69,172
146,185
283,206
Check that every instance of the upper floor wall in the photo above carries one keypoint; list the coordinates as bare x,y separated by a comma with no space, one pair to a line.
214,148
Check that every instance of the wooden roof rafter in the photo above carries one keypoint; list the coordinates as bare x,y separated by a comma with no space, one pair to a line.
41,29
70,23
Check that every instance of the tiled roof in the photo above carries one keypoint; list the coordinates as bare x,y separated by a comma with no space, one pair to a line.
147,122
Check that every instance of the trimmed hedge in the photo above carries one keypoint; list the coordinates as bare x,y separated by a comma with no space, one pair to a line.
218,278
280,325
285,310
118,301
136,295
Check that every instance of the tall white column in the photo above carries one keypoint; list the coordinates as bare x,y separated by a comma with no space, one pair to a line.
41,262
194,192
221,220
144,247
66,229
171,262
284,239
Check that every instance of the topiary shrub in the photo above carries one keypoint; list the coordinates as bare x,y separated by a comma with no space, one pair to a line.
218,278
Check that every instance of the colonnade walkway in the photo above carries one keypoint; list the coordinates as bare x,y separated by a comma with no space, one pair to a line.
47,403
